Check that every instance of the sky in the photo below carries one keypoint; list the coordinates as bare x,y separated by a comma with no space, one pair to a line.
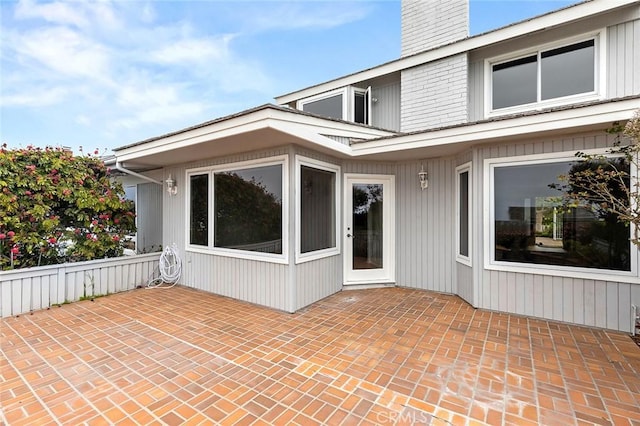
104,74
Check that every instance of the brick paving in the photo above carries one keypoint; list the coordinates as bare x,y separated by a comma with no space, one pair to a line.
379,356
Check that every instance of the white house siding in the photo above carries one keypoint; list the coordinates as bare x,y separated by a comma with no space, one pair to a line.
594,302
434,94
263,283
149,205
317,279
622,55
385,109
624,59
425,226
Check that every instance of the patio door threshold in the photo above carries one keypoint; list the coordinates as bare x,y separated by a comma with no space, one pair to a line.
364,285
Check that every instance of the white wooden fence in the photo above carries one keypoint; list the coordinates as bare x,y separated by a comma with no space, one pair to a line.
30,289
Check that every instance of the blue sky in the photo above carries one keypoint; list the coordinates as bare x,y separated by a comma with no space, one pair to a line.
105,74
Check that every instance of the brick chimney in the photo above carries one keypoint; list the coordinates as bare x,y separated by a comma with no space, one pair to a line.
431,23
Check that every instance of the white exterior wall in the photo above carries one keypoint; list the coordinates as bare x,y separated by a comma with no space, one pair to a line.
432,23
434,94
425,226
601,301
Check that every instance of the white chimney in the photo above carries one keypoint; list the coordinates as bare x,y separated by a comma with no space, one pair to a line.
431,23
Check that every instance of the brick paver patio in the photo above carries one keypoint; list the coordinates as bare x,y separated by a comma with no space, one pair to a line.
380,356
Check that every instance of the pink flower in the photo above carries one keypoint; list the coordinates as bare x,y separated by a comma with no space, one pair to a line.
11,234
52,240
101,199
15,250
27,192
2,236
116,238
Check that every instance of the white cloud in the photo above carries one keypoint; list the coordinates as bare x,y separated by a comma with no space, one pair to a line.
183,52
64,51
56,12
34,97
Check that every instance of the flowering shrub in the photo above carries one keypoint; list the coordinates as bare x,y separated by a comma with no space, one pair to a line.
56,207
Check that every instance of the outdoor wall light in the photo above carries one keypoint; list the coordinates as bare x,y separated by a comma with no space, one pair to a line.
422,175
172,188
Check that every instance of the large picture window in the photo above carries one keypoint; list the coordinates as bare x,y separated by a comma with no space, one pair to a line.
533,223
238,210
317,208
248,209
545,76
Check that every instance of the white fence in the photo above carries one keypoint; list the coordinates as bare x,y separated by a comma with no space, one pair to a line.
30,289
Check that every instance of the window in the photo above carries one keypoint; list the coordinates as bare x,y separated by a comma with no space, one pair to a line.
317,209
532,223
247,209
199,210
239,210
463,225
348,103
548,76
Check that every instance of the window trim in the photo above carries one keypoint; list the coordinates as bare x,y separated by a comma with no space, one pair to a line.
300,161
600,67
541,269
281,160
460,258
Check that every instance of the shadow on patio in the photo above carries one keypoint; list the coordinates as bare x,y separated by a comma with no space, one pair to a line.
181,356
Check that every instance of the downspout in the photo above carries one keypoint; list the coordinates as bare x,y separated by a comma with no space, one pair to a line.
119,167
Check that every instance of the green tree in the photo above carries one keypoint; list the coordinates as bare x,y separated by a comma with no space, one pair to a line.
56,207
606,182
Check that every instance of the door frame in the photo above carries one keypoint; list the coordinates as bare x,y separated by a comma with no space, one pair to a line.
385,275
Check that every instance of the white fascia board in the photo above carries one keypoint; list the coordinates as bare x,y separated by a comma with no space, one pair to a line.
559,120
305,127
573,13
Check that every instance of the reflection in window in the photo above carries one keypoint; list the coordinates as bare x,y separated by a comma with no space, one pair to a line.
463,209
248,209
317,209
330,107
534,224
367,226
549,74
199,210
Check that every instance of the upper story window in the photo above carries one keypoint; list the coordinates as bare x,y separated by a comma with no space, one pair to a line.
552,75
348,103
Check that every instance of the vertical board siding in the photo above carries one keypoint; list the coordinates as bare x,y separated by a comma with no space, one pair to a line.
258,282
31,289
385,110
464,280
590,302
149,202
624,59
317,279
425,226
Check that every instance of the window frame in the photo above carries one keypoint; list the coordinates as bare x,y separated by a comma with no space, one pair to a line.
348,102
542,269
283,161
300,257
466,260
599,83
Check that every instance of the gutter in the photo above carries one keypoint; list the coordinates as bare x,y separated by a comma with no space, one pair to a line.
119,167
